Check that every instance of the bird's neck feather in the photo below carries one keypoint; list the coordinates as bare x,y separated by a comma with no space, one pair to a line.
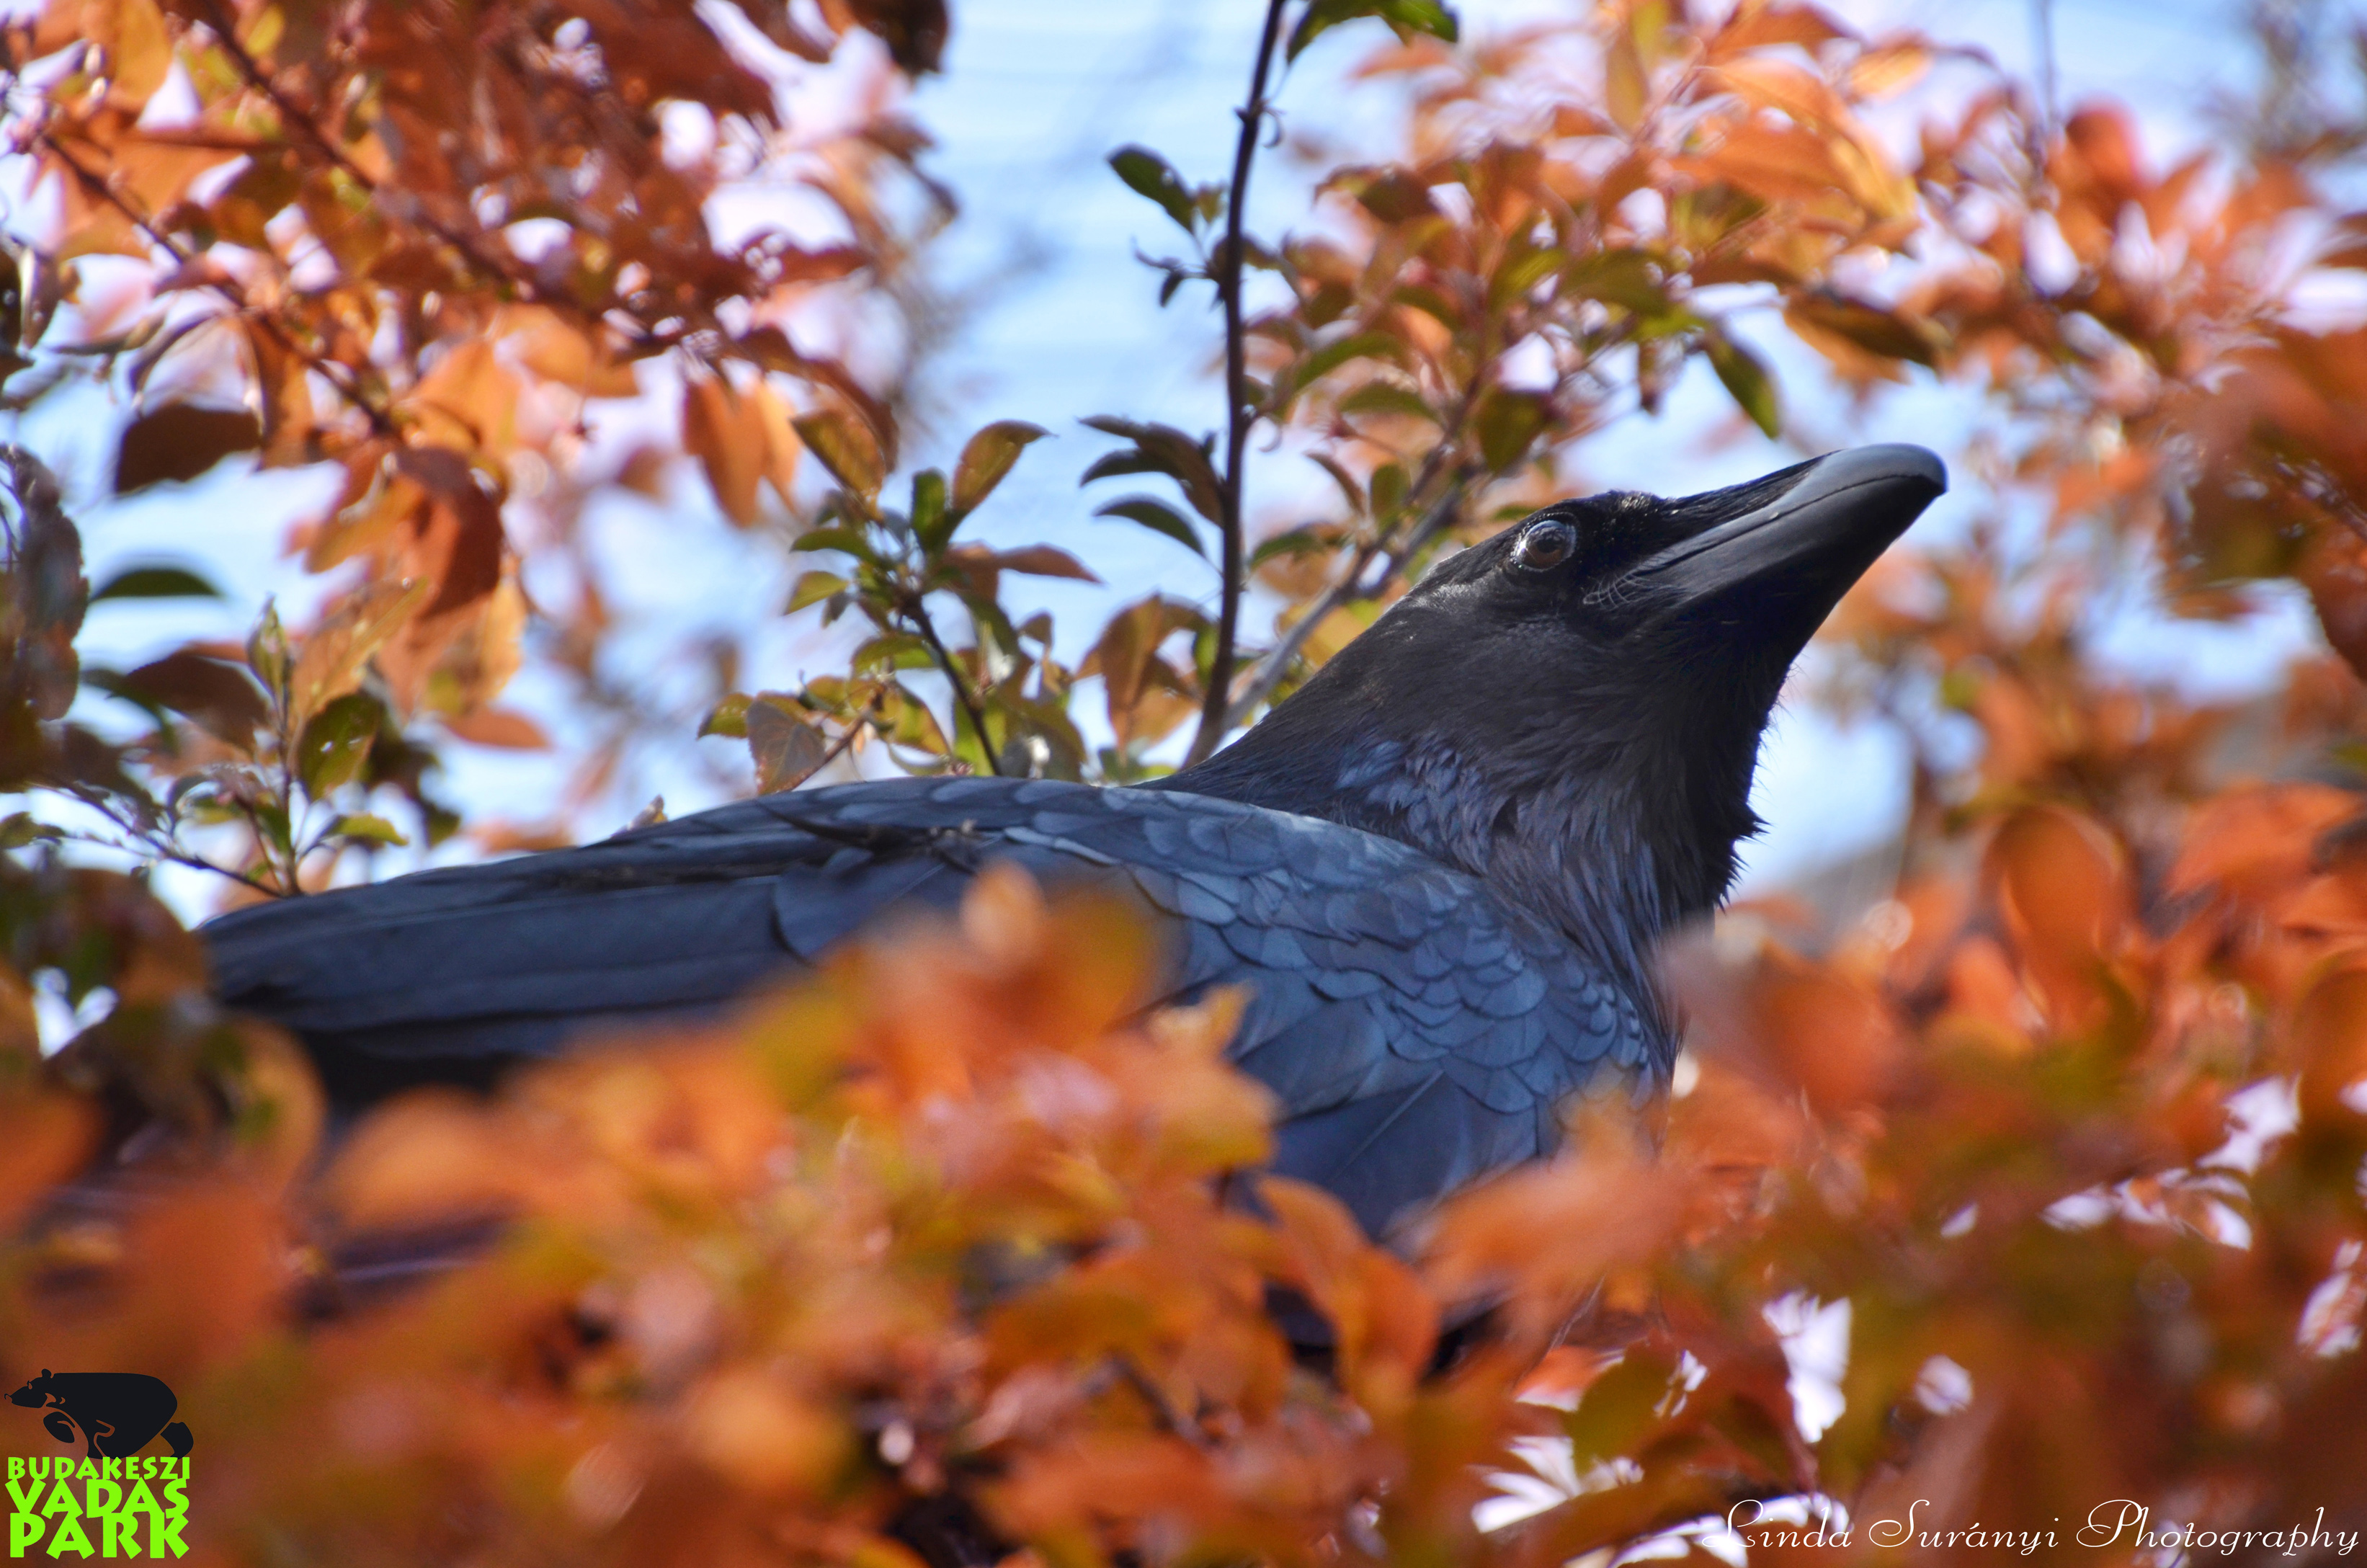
1614,848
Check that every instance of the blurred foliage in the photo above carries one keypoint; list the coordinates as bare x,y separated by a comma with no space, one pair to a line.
930,1258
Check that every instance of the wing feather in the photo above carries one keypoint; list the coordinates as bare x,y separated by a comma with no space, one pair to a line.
1417,1030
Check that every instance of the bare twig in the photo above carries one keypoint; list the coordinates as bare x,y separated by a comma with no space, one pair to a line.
962,693
2041,26
147,842
1350,586
1216,706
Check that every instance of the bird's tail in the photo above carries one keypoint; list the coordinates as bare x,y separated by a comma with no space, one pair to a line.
179,1437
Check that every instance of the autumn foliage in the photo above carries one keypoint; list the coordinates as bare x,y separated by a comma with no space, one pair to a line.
941,1255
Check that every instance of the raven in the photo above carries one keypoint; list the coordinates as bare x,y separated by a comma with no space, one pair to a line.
1439,868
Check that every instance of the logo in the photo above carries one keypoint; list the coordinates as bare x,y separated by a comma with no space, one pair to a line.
114,1501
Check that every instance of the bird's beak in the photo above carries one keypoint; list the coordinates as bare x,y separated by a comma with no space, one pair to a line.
1782,559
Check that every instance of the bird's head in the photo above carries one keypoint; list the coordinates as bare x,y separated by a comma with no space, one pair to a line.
1582,697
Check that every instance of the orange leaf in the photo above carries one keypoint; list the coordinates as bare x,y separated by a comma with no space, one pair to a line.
723,433
2330,1034
503,727
330,662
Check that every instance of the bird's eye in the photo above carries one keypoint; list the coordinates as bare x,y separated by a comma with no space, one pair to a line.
1545,545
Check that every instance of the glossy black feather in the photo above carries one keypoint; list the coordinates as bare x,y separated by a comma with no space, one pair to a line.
1367,1011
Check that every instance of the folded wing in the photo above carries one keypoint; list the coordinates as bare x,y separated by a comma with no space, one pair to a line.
1418,1030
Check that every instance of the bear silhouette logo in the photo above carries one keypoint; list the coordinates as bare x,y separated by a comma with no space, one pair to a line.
118,1413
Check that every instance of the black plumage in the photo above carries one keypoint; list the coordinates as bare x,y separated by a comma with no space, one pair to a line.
1439,868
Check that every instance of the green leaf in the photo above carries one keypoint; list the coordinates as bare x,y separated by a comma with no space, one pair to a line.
1623,278
336,743
932,524
1118,464
1747,379
1386,397
891,651
1159,517
1360,346
1161,449
846,447
361,827
988,457
1329,357
1619,1407
20,828
1149,175
181,440
729,717
1294,542
270,819
1405,15
844,541
158,582
812,588
1871,327
1508,422
1349,491
266,651
1523,273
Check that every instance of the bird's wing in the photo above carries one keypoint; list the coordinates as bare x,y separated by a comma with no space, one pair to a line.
1418,1030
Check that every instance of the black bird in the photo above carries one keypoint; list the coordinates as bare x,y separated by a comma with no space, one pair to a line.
1440,866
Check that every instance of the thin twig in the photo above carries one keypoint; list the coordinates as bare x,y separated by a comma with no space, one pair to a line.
2043,27
296,118
147,842
381,421
1350,587
962,694
1151,1393
1217,706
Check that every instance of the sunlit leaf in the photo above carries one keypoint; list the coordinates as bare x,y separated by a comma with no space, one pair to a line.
333,656
987,456
1406,15
1746,381
719,429
1508,422
846,447
336,743
785,747
504,729
728,717
812,588
361,827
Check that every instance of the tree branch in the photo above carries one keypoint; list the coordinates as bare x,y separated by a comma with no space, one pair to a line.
1350,587
149,843
1216,706
962,694
329,370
